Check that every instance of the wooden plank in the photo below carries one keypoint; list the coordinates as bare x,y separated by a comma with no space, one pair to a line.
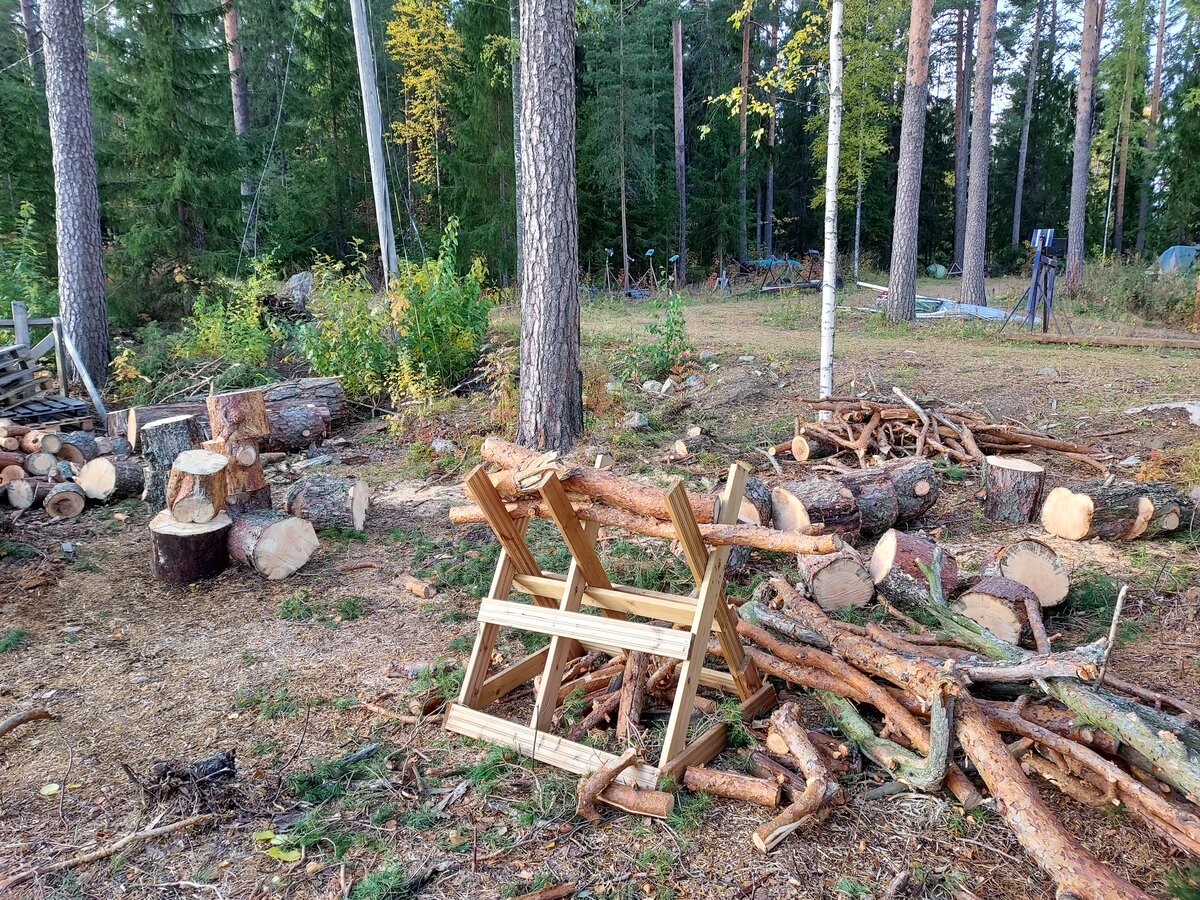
511,537
1106,341
20,322
619,598
60,360
684,520
705,747
580,626
583,550
723,681
504,682
547,748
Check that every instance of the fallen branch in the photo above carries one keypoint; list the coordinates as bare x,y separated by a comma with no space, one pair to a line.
591,787
17,719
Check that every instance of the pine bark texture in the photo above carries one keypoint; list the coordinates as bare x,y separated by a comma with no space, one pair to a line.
77,200
329,501
962,135
514,35
897,573
1088,54
294,428
181,554
1151,131
975,247
1031,74
161,442
916,487
273,544
902,279
878,505
1014,492
551,408
64,501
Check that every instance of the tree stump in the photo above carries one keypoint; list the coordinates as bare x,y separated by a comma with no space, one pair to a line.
755,510
819,502
24,493
329,501
78,447
896,573
998,604
197,486
107,479
273,544
161,442
238,416
1114,512
183,552
878,505
1034,565
836,580
1014,489
916,486
64,501
295,428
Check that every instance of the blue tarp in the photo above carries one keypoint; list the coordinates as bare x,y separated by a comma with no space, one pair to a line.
1179,258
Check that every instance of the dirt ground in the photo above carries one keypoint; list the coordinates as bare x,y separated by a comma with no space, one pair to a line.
135,672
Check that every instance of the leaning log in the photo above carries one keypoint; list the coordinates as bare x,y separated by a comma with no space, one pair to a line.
590,788
161,442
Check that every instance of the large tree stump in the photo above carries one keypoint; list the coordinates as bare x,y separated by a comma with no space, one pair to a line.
273,544
896,573
183,552
998,604
916,486
878,505
107,479
836,580
1034,565
819,502
160,443
78,447
1014,489
196,488
64,501
295,428
329,501
23,493
238,416
1114,512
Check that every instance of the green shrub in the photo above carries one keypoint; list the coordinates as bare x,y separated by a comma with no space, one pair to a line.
666,345
229,319
23,268
1112,289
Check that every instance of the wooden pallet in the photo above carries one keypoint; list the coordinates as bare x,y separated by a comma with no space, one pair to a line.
557,611
52,410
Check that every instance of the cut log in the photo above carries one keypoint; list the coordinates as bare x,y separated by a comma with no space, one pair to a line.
40,463
759,791
25,492
77,447
46,441
755,510
12,473
1173,510
686,446
916,486
161,442
244,472
998,604
12,429
1113,512
806,447
1034,565
196,488
183,552
329,501
895,571
593,785
64,501
1014,489
416,586
238,416
639,801
273,544
237,505
819,502
295,428
11,459
878,505
120,447
836,580
107,479
10,443
633,693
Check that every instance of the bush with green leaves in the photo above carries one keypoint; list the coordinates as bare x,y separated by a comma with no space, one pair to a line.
1113,289
665,347
23,267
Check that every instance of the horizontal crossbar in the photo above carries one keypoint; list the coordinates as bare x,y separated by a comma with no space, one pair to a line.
650,639
632,601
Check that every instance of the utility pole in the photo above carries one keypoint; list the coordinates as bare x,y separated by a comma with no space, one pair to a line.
374,127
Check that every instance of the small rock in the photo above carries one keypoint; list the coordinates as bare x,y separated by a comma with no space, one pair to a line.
707,354
669,386
443,446
68,547
323,460
1130,461
712,367
745,359
692,381
72,629
1049,371
652,386
138,679
635,420
612,387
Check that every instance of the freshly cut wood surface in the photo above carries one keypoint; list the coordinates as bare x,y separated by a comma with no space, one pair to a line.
24,493
45,441
39,462
1113,512
819,502
836,580
998,604
1014,489
12,473
160,443
107,479
78,447
916,486
805,447
1034,565
273,544
197,486
329,501
895,571
64,501
183,552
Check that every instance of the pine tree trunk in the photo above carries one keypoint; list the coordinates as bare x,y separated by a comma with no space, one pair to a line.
77,211
514,34
1088,54
1026,117
832,158
680,150
29,25
902,281
1151,132
621,152
1131,53
241,106
744,84
975,249
551,413
962,137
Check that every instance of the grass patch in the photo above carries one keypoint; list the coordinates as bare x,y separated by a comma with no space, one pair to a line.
341,538
461,644
350,608
270,704
299,607
552,799
851,887
328,779
13,639
16,550
690,810
388,882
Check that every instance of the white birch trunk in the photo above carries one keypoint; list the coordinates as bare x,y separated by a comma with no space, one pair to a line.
832,154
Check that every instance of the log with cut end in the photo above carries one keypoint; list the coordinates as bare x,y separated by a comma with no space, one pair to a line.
12,473
820,502
1014,489
242,502
418,587
806,447
998,604
1173,510
1114,512
836,580
760,791
755,510
196,488
40,463
639,801
78,447
64,501
160,443
590,788
329,501
107,479
238,416
24,493
1034,565
273,544
295,428
916,486
686,446
878,505
183,552
10,443
896,573
46,441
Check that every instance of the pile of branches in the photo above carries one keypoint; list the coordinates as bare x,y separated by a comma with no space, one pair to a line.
1013,713
865,427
